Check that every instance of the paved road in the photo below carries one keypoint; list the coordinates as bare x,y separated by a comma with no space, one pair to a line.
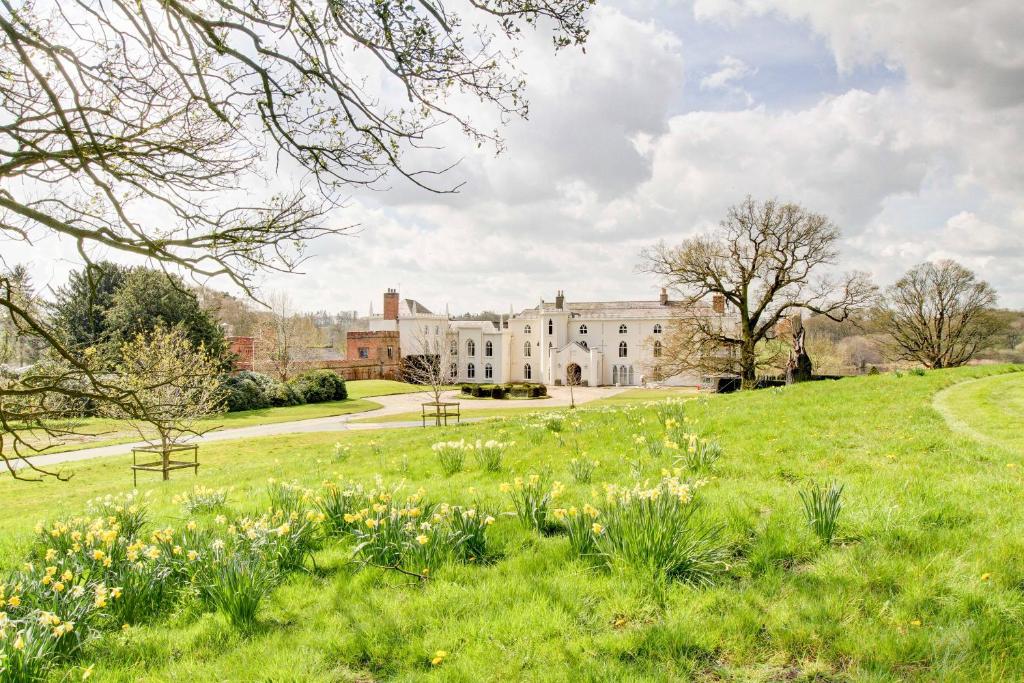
391,405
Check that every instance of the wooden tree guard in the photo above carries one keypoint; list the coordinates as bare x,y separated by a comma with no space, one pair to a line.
441,412
165,464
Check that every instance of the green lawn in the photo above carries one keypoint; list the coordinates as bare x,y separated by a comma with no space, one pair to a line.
506,407
96,432
924,583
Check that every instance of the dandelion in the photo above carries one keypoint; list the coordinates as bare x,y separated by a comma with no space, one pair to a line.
438,658
986,576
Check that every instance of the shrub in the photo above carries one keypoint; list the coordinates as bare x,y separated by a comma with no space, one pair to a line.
656,531
468,528
284,394
451,454
243,391
532,497
822,505
319,386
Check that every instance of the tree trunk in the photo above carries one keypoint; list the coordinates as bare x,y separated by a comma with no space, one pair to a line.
799,367
748,366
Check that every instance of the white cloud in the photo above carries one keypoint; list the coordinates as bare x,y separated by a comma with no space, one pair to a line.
731,69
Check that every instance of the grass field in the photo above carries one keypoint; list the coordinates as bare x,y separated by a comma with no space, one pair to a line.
504,408
95,432
925,581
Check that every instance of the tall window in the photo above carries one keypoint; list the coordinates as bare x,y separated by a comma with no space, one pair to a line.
454,347
426,329
471,371
615,374
453,371
657,349
471,347
391,352
623,329
527,372
489,348
583,329
623,349
488,371
657,328
364,352
527,329
437,329
551,326
527,349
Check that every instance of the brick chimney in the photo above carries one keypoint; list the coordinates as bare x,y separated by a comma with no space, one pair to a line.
663,298
559,299
718,303
391,304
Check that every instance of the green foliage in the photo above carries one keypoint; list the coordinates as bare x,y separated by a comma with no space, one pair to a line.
582,469
243,391
78,311
150,299
451,455
489,454
699,455
656,531
822,505
202,499
532,497
320,386
235,584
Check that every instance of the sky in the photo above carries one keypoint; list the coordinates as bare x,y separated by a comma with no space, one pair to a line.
901,121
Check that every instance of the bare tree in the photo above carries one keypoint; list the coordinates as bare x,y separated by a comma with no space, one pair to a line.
171,385
130,125
766,261
283,339
938,314
435,366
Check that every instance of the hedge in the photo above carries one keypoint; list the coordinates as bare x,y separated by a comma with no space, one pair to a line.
318,386
503,391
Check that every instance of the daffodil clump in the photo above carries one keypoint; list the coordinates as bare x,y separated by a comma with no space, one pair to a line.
489,454
414,535
582,468
202,499
656,529
532,497
581,526
451,455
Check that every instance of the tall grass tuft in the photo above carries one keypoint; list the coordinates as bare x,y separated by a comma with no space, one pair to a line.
489,454
822,505
700,455
582,469
202,499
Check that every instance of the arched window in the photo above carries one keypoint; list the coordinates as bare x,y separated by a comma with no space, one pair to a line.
527,330
615,374
471,371
488,348
471,347
630,382
527,371
657,328
453,371
583,343
488,371
551,326
623,329
583,329
527,349
455,347
657,349
623,349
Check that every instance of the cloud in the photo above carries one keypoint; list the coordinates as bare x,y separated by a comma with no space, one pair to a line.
731,69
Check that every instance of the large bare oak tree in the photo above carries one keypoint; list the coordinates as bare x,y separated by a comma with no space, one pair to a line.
768,260
939,314
138,127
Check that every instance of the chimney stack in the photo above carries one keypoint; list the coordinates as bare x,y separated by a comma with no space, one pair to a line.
391,304
559,299
664,297
718,303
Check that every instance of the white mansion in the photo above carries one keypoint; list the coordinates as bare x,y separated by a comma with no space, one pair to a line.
590,343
